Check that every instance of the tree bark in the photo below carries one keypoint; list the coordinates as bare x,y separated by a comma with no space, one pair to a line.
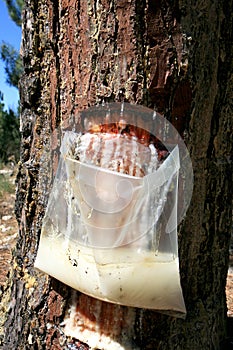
174,56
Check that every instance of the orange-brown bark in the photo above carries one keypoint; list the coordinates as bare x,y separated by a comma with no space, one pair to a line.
77,53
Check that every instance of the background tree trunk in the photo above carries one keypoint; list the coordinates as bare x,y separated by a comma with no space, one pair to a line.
176,55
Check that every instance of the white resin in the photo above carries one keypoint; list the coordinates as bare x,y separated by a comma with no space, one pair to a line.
137,279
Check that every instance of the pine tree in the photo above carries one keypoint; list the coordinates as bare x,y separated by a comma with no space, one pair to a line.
9,133
13,64
11,57
9,120
15,8
75,55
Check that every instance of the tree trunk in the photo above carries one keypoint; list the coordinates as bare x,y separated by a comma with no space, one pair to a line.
174,56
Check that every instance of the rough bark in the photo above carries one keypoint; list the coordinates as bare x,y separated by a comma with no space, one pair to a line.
172,55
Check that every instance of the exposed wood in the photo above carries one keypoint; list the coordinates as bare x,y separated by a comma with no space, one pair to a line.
176,57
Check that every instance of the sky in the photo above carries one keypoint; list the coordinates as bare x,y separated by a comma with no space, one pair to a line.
10,33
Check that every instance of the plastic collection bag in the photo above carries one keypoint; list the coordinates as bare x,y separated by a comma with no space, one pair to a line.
110,234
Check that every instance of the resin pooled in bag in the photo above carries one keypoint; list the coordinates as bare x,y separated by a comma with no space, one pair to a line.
110,228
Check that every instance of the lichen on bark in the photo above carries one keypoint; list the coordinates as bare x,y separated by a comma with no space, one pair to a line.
77,53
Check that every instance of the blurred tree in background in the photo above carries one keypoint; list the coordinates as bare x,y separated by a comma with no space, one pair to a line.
13,64
9,134
14,9
9,120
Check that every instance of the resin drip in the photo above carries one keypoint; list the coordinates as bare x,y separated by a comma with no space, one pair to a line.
138,279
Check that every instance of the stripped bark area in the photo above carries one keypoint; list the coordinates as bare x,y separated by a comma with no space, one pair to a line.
157,53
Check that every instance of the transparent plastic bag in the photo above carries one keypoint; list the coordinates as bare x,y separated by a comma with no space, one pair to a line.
112,235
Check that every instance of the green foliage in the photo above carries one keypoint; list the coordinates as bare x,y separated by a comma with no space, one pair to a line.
9,134
14,9
9,121
13,63
11,57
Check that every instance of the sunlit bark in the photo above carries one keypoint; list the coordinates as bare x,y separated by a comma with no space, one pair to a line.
172,56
